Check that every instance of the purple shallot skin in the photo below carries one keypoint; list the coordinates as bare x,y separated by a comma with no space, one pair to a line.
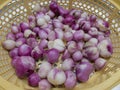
34,79
24,50
45,85
71,80
83,71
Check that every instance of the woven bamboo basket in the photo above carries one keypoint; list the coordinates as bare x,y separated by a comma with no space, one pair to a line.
17,11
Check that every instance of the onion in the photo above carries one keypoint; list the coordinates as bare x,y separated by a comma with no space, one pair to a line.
68,20
80,45
91,42
19,35
78,35
59,45
13,53
101,33
8,44
59,33
50,44
44,69
20,41
32,22
39,15
47,18
91,53
105,48
42,34
10,36
68,36
77,56
83,71
45,25
51,35
24,50
29,33
72,12
100,38
71,80
24,26
63,11
52,55
75,26
81,21
60,18
85,60
72,46
44,9
93,18
41,21
107,33
50,13
43,43
65,55
100,63
66,27
48,29
102,25
37,53
73,31
44,85
93,31
33,80
14,61
31,18
86,26
54,7
56,76
58,24
15,29
84,15
78,13
67,64
36,30
87,37
24,66
32,42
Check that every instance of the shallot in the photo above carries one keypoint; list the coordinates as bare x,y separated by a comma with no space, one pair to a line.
34,79
8,44
44,69
44,85
56,76
58,47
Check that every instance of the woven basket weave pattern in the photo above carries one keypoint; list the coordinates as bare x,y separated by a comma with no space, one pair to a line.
18,10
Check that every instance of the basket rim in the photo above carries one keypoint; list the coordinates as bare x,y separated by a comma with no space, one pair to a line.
3,3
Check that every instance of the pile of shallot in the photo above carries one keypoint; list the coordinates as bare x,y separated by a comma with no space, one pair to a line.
79,42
